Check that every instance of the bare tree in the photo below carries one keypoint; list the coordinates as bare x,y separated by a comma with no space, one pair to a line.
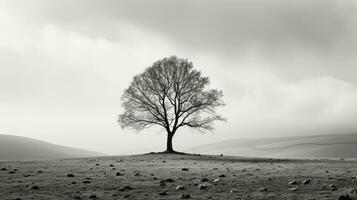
170,94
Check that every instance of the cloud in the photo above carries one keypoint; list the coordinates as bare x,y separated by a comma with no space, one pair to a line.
286,67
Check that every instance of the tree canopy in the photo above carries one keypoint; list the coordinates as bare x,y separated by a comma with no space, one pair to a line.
170,94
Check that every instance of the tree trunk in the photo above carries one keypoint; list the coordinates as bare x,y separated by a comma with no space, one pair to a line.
169,142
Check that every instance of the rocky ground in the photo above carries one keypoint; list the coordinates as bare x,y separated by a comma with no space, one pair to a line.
164,176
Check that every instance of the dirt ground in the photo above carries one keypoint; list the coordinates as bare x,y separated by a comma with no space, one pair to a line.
157,176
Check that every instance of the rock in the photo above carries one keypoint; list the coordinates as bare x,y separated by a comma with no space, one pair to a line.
292,183
202,186
353,191
70,175
180,187
216,180
3,169
184,169
111,165
185,196
93,196
34,187
222,175
233,191
73,183
263,189
163,193
96,164
40,171
204,180
221,155
125,188
344,197
12,172
118,174
77,197
18,198
294,189
307,181
86,181
169,180
137,174
333,187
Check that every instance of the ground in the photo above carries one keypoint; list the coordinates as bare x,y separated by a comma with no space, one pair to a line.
219,177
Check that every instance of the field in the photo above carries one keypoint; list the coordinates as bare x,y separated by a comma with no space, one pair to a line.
167,176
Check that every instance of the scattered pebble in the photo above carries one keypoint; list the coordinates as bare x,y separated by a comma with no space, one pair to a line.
180,187
163,193
292,183
202,186
185,196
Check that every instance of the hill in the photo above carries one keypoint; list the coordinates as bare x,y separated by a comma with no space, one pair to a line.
319,146
23,148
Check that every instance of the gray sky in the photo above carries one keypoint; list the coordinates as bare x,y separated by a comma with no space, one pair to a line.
286,67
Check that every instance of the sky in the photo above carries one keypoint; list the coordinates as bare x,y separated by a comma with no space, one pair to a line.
286,67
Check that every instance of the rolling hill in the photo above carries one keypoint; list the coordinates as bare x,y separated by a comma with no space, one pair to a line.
320,146
23,148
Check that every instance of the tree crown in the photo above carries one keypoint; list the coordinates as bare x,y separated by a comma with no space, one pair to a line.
171,94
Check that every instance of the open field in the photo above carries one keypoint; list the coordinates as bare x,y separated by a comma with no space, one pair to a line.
156,176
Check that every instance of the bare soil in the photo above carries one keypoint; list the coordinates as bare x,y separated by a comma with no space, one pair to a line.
148,177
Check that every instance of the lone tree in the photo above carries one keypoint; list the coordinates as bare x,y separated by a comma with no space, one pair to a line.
170,94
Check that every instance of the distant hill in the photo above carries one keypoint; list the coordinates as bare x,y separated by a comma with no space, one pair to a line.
320,146
23,148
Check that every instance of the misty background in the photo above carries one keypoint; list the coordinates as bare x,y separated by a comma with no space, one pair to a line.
287,68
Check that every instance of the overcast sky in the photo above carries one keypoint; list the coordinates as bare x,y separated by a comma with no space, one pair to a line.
286,67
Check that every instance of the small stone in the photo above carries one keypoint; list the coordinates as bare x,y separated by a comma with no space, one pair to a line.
263,189
118,174
204,180
233,191
77,197
125,188
202,186
306,182
184,169
70,175
292,183
222,175
169,180
216,180
3,169
353,191
111,165
137,174
34,187
180,187
344,197
185,196
93,196
40,171
163,193
86,181
294,189
333,187
12,172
